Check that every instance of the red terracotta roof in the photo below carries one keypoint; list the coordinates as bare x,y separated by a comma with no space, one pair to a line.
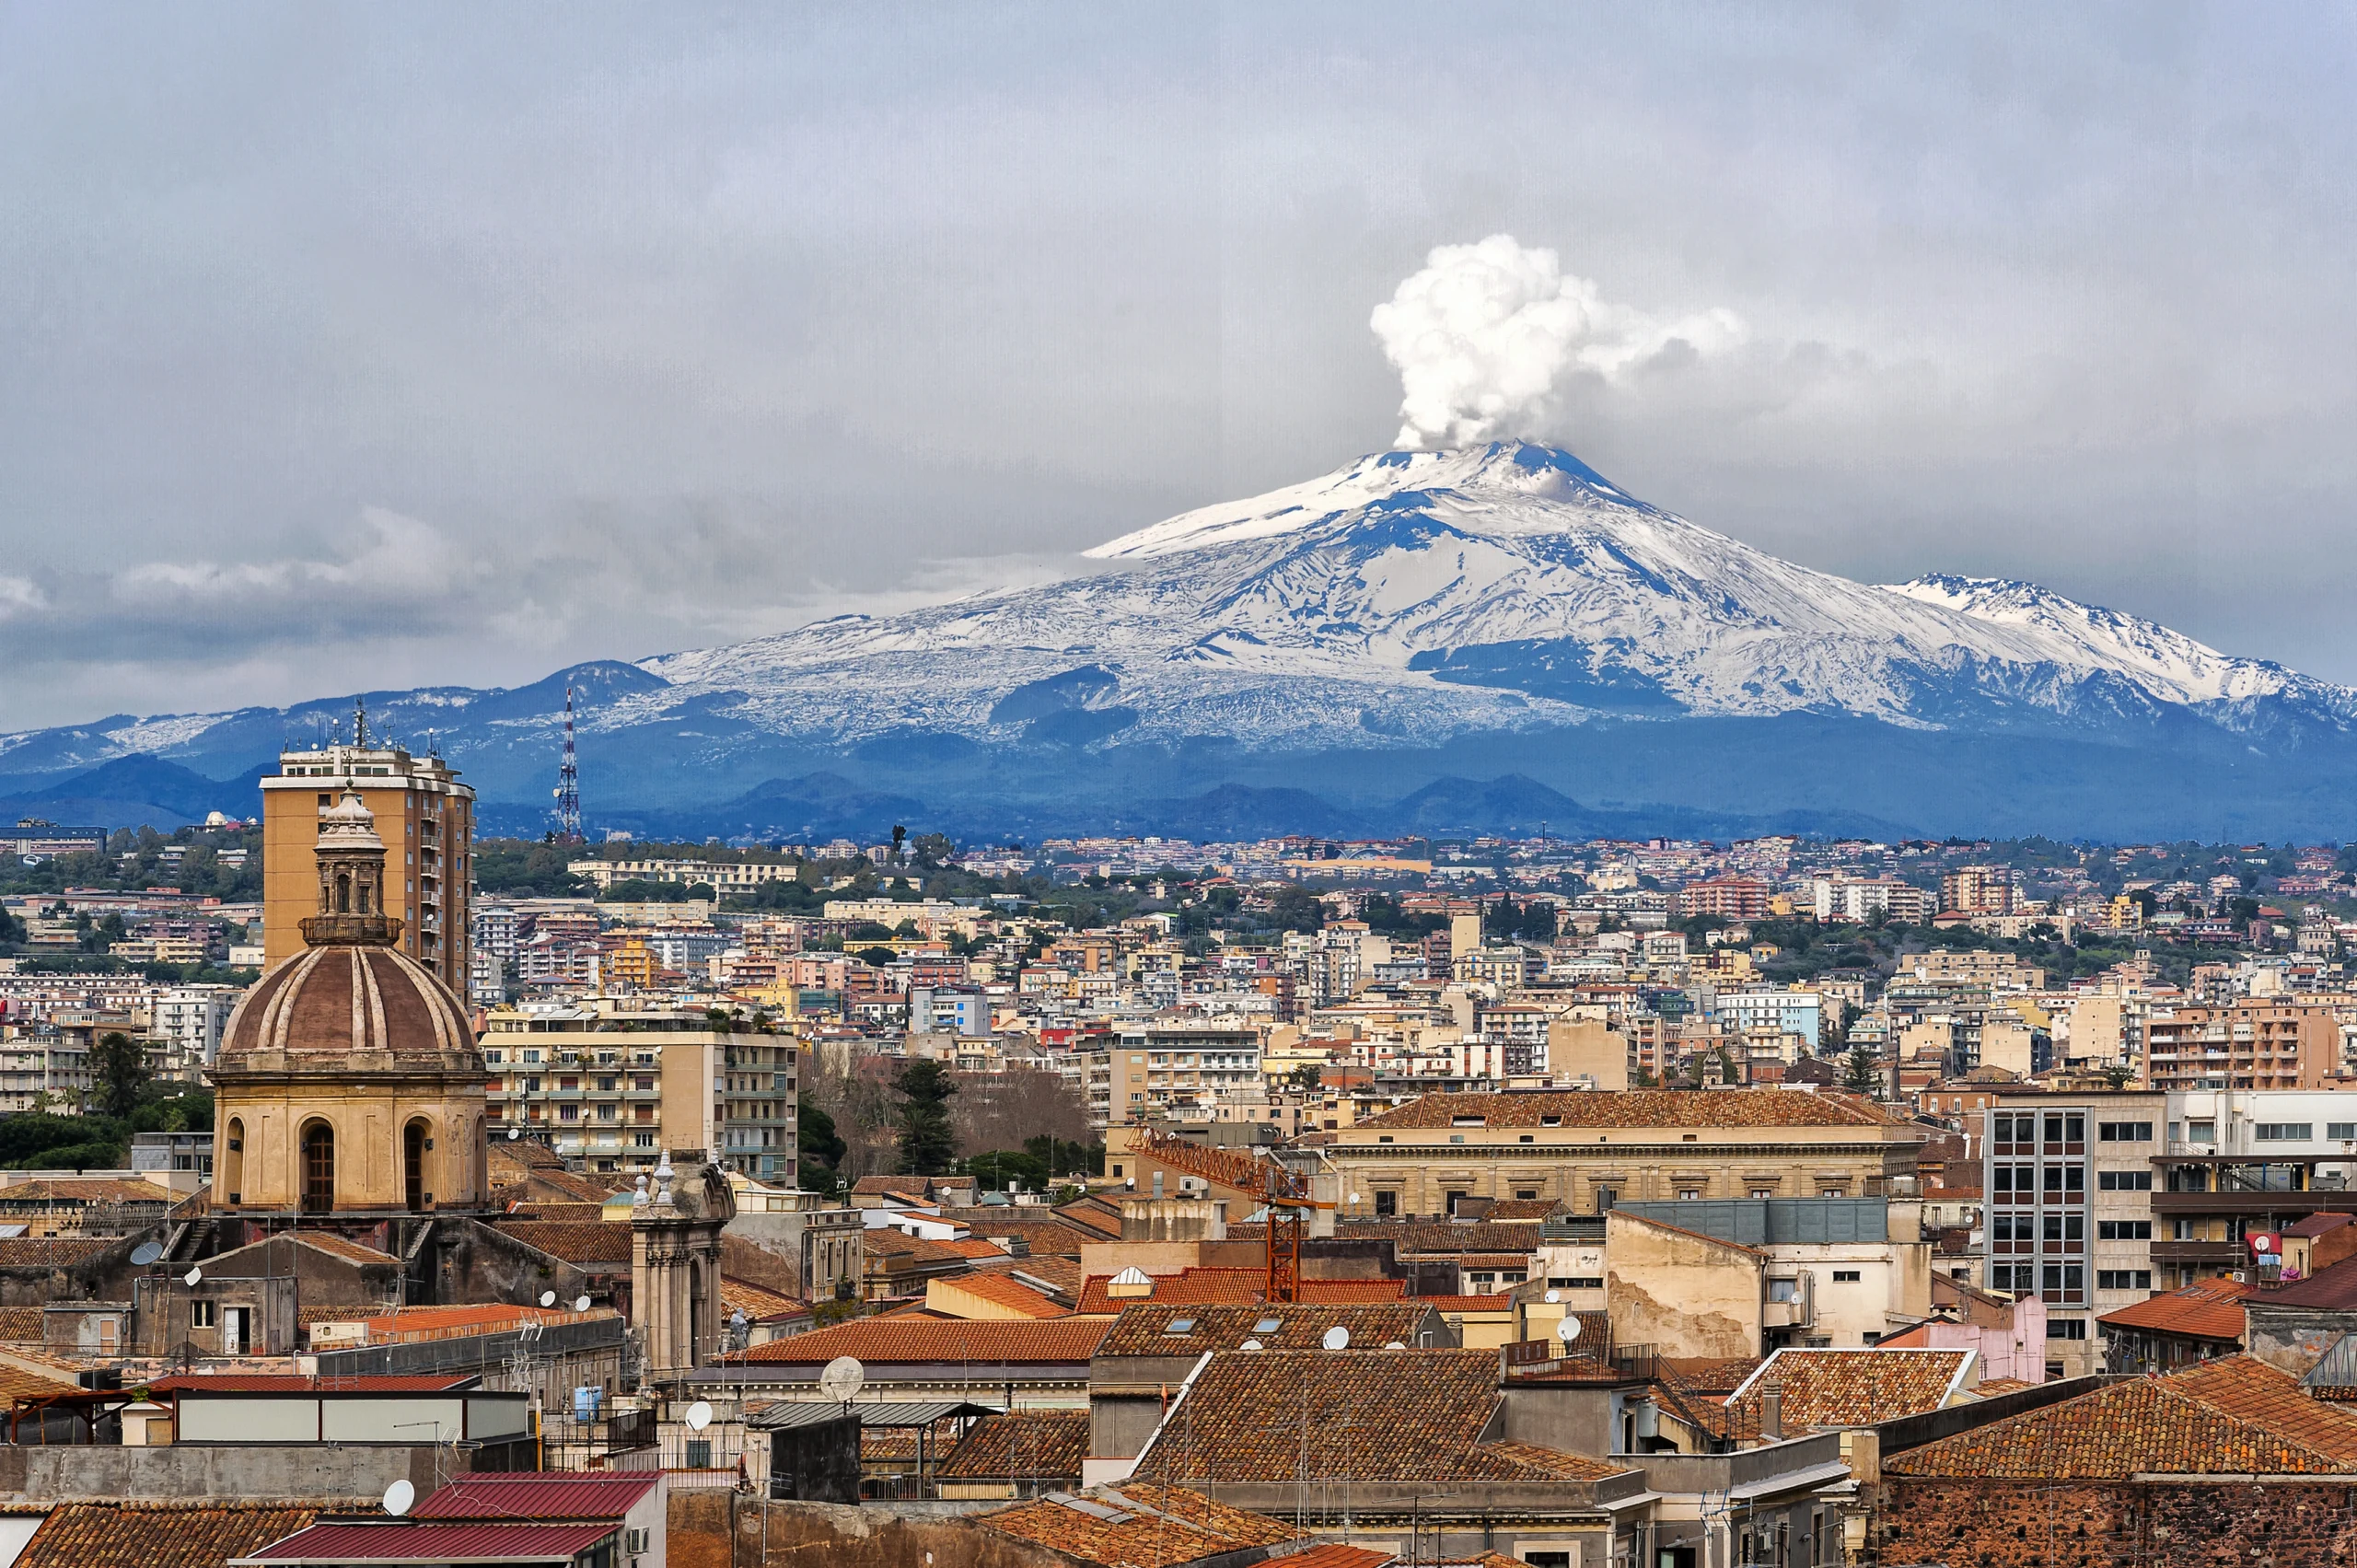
2206,1309
1145,1327
1139,1526
2231,1416
599,1244
1847,1388
1466,1303
1197,1286
1000,1291
921,1339
159,1534
1047,1443
416,1540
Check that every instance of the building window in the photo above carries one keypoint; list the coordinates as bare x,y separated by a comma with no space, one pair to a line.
201,1314
1525,1194
2123,1230
2201,1132
1763,1191
2124,1132
1386,1205
2123,1279
2066,1328
2124,1181
1689,1193
1845,1276
2341,1132
2283,1131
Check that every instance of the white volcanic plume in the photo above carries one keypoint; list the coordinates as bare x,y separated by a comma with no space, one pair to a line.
1481,335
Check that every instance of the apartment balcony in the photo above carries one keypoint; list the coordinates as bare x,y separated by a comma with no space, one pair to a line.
2212,1253
2298,1205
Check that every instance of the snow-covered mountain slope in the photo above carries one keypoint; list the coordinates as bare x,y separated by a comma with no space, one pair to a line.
1433,605
1416,595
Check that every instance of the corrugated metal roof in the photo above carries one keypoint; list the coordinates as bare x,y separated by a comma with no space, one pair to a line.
539,1495
428,1543
907,1413
299,1383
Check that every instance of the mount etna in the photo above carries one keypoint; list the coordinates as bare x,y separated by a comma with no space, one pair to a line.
1494,638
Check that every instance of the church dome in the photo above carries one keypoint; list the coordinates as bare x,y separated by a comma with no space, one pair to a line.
350,1000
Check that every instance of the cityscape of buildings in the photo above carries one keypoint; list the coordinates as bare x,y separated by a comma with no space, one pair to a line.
1862,1184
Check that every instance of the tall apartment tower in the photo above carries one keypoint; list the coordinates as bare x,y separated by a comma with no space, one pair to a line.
426,818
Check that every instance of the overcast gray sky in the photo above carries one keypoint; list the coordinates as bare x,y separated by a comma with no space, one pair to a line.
346,345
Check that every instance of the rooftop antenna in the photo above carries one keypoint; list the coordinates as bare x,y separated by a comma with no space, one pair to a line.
359,724
568,784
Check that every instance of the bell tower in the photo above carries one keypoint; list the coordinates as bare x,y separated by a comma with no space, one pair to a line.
350,860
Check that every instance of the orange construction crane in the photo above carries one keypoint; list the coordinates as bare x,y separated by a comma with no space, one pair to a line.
1287,1195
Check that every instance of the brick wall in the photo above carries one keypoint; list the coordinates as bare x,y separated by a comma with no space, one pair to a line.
2290,1523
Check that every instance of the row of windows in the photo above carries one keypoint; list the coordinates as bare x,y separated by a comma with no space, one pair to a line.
2024,1278
2024,1130
2123,1230
2124,1132
2123,1279
2059,1179
2058,1227
2124,1181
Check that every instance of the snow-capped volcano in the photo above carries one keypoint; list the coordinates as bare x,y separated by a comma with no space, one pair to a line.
1365,649
1416,595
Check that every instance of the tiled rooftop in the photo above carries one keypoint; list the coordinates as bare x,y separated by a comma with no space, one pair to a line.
584,1246
1002,1291
159,1534
87,1190
1207,1286
1849,1388
923,1339
1145,1328
1694,1109
1339,1415
1137,1526
2232,1416
2206,1309
1046,1443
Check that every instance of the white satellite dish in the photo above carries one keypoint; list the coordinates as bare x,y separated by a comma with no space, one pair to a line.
193,1276
843,1380
1249,1344
146,1253
1567,1327
514,1133
1396,1345
2258,1244
398,1498
548,1299
698,1416
581,1303
1337,1338
1554,1296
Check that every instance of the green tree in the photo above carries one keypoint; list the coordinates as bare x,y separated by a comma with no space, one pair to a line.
119,1071
1295,907
1859,1075
821,1149
927,1144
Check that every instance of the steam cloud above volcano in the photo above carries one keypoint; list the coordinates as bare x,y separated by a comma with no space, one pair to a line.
1484,333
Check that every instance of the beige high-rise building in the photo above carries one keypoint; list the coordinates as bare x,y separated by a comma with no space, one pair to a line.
426,818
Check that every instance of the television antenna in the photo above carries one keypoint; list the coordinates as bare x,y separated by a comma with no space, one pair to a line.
400,1497
568,784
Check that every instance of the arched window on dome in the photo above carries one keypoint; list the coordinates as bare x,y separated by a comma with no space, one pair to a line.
233,1161
319,1168
416,1138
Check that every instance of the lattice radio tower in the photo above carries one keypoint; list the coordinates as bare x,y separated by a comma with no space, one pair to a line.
568,784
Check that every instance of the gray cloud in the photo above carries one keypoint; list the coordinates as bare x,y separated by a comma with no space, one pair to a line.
351,347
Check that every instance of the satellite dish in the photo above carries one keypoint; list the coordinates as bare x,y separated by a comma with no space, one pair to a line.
698,1416
1249,1344
581,1303
146,1253
398,1498
1554,1296
193,1276
2258,1244
1337,1338
1396,1345
548,1299
514,1133
1567,1327
843,1380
